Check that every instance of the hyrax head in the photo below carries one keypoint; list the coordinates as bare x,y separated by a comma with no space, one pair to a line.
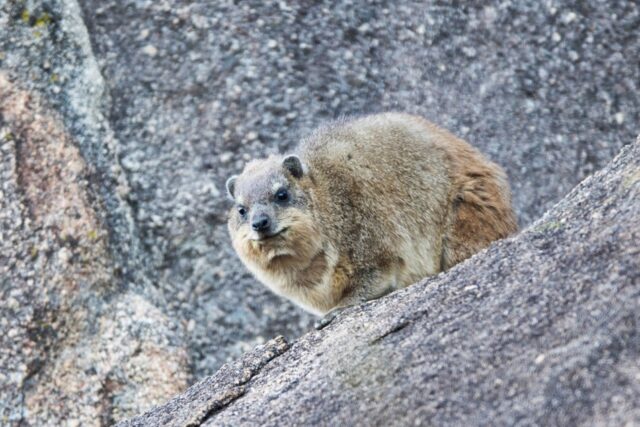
270,218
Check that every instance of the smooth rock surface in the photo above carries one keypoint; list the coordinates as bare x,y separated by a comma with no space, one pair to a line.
539,329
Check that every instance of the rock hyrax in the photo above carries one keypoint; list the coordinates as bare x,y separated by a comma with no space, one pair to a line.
365,207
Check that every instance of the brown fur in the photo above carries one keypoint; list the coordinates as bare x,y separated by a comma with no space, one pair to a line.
384,201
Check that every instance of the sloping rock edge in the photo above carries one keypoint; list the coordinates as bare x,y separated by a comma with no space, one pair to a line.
615,195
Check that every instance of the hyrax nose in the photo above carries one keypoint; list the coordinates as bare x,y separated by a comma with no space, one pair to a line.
261,222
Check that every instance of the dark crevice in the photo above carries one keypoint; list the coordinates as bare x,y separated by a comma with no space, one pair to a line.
218,405
279,347
395,328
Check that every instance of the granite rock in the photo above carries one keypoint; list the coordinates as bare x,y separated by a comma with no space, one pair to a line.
120,121
546,89
85,340
538,329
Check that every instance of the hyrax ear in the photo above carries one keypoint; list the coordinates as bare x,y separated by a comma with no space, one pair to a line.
231,186
293,164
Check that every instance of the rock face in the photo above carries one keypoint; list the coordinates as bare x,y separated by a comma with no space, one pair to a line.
540,329
84,337
120,120
549,91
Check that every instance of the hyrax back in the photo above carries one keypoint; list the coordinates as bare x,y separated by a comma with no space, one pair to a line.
365,207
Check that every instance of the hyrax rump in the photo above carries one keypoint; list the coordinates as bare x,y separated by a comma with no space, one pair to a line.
365,207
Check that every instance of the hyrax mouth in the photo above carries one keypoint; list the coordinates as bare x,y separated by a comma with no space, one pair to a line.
265,237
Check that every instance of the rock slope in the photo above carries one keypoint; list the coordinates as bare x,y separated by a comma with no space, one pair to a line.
549,90
539,329
120,120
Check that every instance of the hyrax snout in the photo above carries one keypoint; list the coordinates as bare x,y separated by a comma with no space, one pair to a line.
365,207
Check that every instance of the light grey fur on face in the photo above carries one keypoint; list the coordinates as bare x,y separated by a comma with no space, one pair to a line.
254,191
256,184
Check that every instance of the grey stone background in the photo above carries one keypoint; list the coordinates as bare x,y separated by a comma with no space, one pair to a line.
164,100
547,89
541,329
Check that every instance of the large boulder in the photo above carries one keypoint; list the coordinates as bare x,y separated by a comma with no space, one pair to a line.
84,339
538,329
120,120
548,90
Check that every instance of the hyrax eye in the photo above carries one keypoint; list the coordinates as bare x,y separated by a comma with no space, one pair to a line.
242,211
282,195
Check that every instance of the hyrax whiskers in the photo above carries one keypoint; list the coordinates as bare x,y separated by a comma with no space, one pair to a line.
365,207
